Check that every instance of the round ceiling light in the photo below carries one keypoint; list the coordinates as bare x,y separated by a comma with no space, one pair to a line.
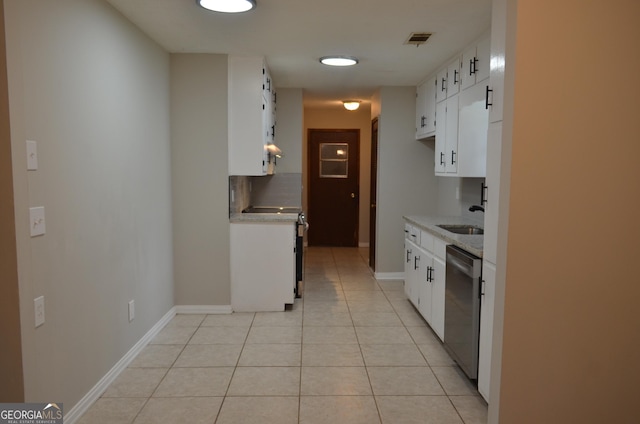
351,104
227,6
339,60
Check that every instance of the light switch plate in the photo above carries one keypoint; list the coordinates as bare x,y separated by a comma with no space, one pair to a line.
132,310
38,304
36,221
32,155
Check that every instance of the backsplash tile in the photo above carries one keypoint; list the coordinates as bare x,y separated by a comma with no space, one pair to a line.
271,190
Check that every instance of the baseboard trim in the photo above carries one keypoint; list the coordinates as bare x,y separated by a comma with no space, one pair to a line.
203,309
94,394
389,275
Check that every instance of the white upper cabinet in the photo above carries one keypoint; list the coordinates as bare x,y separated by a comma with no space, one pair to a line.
461,113
453,78
496,62
475,63
446,153
441,87
426,109
251,115
473,121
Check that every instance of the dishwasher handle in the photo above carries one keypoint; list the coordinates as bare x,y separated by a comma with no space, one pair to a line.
464,261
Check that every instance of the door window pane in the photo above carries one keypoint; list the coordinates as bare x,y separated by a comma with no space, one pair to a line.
334,159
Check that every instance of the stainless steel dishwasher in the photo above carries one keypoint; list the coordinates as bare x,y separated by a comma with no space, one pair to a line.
462,309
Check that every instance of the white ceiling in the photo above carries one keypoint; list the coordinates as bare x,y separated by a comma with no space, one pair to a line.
293,34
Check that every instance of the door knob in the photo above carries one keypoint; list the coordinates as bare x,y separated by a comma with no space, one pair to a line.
353,195
373,205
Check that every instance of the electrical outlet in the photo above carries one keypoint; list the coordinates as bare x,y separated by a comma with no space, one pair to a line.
38,304
132,310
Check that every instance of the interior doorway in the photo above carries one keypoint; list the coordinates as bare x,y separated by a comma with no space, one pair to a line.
334,180
373,194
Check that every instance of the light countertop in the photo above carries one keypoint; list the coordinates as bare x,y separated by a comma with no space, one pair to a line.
471,243
240,217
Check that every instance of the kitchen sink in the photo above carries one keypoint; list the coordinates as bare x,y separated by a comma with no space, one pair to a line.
462,229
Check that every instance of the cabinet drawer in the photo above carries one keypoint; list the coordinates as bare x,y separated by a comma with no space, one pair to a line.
440,248
426,240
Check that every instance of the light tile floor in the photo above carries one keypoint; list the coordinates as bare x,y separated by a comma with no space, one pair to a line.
352,351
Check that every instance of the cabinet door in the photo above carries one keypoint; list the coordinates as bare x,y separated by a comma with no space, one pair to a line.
421,110
441,137
424,284
486,327
408,265
469,63
473,123
437,296
430,106
483,54
453,78
451,136
441,87
415,276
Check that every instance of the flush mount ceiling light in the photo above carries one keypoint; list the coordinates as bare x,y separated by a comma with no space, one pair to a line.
339,60
351,104
227,6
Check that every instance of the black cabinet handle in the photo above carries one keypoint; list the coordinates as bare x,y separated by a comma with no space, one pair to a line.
486,98
422,119
472,66
416,259
273,130
429,274
453,157
268,84
442,158
455,76
483,198
408,254
443,86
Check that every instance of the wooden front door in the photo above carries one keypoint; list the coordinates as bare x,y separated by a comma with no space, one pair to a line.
334,158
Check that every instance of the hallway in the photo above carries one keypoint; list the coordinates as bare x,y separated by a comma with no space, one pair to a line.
352,351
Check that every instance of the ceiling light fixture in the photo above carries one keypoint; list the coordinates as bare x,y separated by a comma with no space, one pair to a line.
227,6
339,60
351,104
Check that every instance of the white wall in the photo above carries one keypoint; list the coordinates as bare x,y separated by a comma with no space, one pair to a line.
200,179
93,91
406,181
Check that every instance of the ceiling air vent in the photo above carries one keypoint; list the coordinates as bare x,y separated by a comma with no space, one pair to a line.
418,38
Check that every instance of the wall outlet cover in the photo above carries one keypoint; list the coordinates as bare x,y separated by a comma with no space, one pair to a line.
38,304
36,221
32,155
132,310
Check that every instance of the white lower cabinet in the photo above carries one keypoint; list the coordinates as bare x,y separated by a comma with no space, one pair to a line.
486,327
425,279
263,266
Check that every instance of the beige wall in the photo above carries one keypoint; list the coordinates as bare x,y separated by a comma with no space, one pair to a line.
93,91
571,328
200,179
12,387
337,117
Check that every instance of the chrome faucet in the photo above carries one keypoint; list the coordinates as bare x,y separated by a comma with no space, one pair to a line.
474,208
